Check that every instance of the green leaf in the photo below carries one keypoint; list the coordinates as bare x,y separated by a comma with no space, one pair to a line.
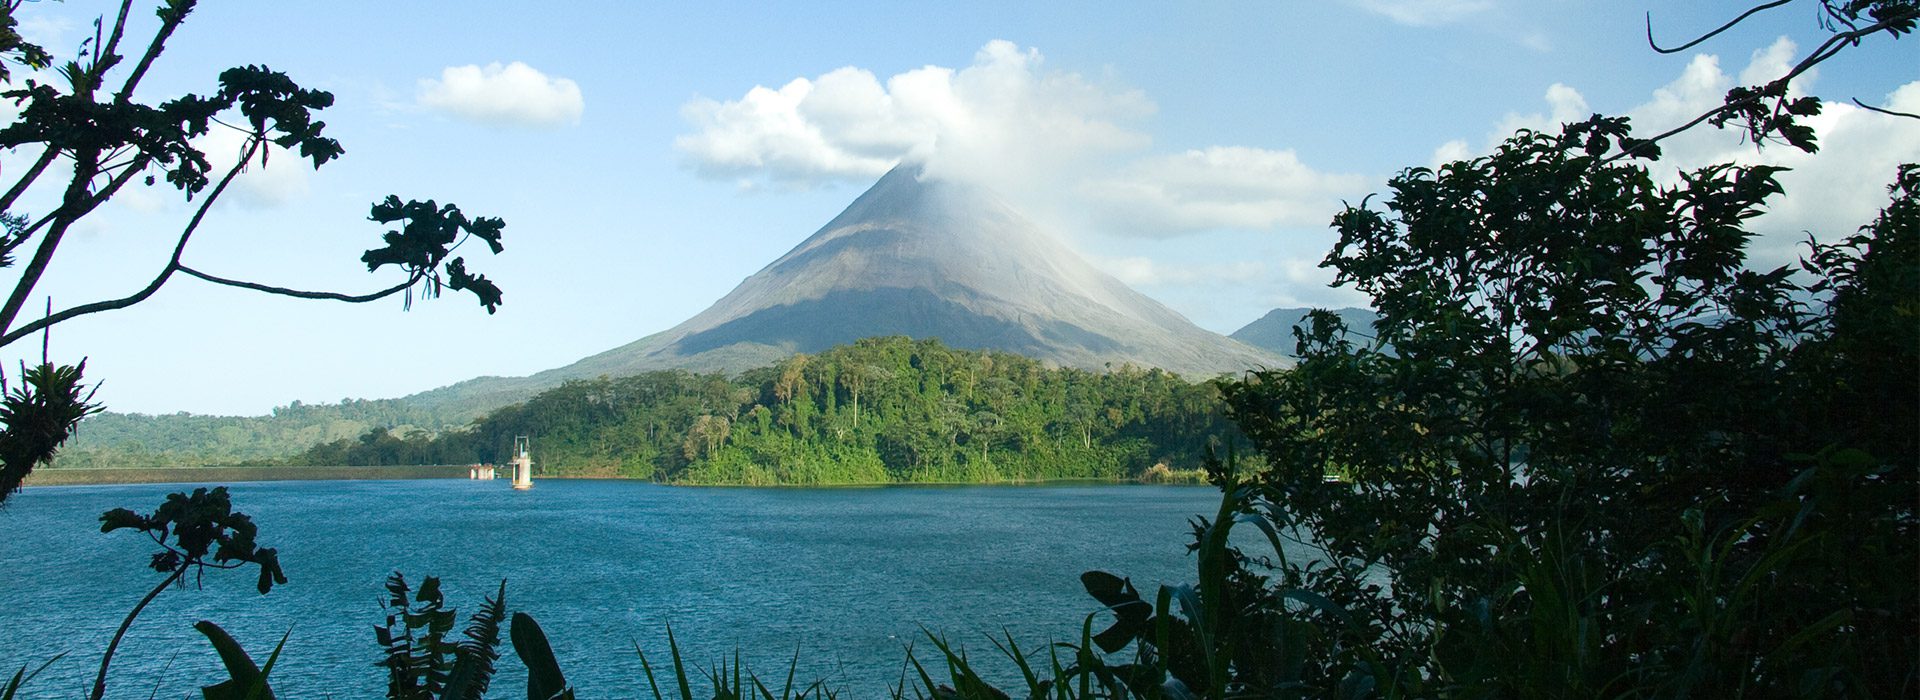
245,681
121,517
544,680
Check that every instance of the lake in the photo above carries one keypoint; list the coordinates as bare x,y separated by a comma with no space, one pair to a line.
845,577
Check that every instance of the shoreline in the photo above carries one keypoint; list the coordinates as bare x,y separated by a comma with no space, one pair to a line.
177,475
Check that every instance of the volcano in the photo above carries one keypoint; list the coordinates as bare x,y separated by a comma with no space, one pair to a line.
924,258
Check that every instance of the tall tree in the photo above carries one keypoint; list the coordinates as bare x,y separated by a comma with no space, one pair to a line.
83,112
1602,456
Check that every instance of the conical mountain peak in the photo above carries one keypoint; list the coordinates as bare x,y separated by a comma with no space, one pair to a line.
931,258
926,258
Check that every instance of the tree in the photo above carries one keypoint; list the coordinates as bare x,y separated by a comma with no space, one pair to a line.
1602,456
112,140
1589,452
207,534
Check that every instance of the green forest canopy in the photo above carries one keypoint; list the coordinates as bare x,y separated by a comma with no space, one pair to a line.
881,410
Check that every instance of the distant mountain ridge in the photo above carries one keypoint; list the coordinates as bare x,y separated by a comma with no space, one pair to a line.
1274,331
922,258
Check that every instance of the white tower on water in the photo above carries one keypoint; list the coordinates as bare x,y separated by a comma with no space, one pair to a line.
522,463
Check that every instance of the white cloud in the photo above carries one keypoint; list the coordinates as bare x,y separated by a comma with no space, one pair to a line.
1564,104
1425,13
283,179
1448,152
1004,119
1828,194
1221,187
1060,145
513,94
47,32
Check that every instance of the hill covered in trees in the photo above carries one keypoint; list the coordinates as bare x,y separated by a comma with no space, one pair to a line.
136,440
881,410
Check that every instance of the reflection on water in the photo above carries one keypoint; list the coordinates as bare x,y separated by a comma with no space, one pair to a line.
846,577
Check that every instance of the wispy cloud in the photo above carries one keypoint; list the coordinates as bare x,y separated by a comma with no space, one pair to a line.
1425,13
1231,187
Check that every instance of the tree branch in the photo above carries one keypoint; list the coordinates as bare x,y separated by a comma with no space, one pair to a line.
100,681
168,23
86,164
113,42
1884,110
27,180
26,283
299,294
1828,49
1709,35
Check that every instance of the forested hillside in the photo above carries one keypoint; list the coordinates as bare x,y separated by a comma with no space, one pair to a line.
878,411
183,440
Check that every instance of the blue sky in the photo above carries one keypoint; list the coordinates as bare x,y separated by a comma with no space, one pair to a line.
647,157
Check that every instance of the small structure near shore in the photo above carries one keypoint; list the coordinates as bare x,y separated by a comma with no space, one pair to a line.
480,472
522,463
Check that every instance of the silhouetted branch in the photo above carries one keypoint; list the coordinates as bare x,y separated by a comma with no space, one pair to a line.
28,279
1884,110
299,294
1827,49
1709,35
27,180
169,21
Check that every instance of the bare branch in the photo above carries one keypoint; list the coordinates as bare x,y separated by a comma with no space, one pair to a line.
1709,35
108,54
72,206
1884,110
85,309
25,285
299,294
170,22
1827,49
33,173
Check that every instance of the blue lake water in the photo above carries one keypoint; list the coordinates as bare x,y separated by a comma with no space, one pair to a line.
845,577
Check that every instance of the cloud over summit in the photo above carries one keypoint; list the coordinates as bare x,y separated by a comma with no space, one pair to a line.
1009,122
1004,108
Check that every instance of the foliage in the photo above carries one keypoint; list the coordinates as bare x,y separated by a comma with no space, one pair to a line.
880,410
72,115
23,676
39,415
544,680
1774,112
132,440
1602,460
421,662
728,680
245,680
198,523
200,526
1603,457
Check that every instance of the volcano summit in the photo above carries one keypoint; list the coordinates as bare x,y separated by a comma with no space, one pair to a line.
925,258
928,258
